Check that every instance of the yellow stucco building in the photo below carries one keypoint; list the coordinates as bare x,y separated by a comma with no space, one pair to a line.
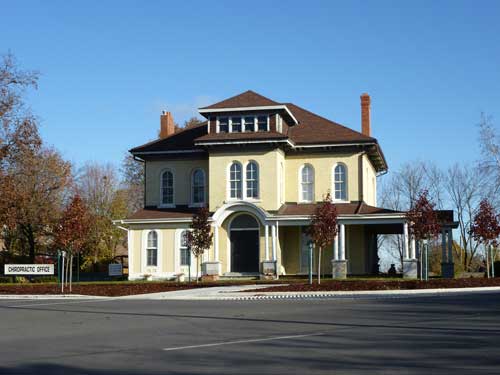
261,167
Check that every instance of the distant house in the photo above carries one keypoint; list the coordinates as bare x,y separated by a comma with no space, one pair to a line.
261,167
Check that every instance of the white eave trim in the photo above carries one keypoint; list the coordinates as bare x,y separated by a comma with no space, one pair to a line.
154,221
236,142
334,145
167,152
258,108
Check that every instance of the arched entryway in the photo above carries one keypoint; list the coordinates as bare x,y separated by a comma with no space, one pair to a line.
244,236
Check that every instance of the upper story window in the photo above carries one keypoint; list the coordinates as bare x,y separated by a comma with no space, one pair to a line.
307,183
185,253
252,180
235,182
152,249
340,182
223,124
238,124
167,188
198,187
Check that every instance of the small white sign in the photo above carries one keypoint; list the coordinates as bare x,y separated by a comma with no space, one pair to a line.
115,269
28,269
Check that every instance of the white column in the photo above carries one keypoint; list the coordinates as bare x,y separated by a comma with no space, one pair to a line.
405,241
216,243
342,242
266,240
413,251
273,235
336,247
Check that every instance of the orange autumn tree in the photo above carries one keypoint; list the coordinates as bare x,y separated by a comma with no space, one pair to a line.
323,227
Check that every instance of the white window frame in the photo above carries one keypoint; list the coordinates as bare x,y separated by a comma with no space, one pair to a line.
245,196
192,202
301,197
153,270
345,182
162,204
243,125
217,128
180,248
230,198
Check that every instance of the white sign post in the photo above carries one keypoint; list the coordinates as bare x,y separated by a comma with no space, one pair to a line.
28,269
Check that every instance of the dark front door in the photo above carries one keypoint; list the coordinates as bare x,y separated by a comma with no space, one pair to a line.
244,251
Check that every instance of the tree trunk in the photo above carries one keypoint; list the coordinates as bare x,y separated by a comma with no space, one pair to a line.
71,273
319,265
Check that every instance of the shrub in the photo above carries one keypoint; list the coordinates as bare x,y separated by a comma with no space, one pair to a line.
45,279
6,279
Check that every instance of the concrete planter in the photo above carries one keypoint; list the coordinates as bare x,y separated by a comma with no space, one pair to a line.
268,270
339,269
210,269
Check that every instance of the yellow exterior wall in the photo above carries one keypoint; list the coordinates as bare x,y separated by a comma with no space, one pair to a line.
355,247
323,177
182,179
268,162
369,182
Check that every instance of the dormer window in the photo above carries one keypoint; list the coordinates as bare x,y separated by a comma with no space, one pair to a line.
236,124
223,125
239,124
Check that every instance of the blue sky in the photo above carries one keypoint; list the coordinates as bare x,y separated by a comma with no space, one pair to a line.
109,67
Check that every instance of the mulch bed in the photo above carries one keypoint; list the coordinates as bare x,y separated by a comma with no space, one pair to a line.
353,285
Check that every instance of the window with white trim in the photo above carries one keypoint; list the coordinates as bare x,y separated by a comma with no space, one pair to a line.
252,180
307,183
235,183
236,124
152,249
198,186
223,124
340,182
249,123
185,251
167,188
262,123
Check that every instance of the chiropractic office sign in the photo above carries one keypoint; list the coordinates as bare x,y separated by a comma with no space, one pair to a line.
28,269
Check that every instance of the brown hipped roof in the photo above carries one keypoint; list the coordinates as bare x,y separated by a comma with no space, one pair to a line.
178,212
245,99
352,208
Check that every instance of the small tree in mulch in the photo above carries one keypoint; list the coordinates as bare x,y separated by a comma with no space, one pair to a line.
486,228
200,237
72,230
423,219
323,227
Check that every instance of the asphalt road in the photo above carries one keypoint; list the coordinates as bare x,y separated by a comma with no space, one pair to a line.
459,335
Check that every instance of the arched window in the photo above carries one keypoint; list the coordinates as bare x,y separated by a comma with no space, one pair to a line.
167,187
307,183
152,249
340,182
235,181
252,180
198,186
184,249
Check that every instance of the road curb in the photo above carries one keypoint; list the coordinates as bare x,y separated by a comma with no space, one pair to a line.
48,296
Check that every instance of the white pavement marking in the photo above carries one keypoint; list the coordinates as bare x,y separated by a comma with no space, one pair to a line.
240,342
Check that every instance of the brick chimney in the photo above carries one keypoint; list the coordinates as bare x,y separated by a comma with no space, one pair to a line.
365,114
167,126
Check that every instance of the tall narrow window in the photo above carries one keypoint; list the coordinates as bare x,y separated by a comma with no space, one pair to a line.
185,250
307,183
340,182
152,249
223,125
252,180
198,186
236,124
235,181
167,187
262,123
249,123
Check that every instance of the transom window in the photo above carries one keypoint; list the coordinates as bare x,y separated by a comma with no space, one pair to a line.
167,188
252,180
152,249
198,186
235,183
185,251
307,183
238,124
340,182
